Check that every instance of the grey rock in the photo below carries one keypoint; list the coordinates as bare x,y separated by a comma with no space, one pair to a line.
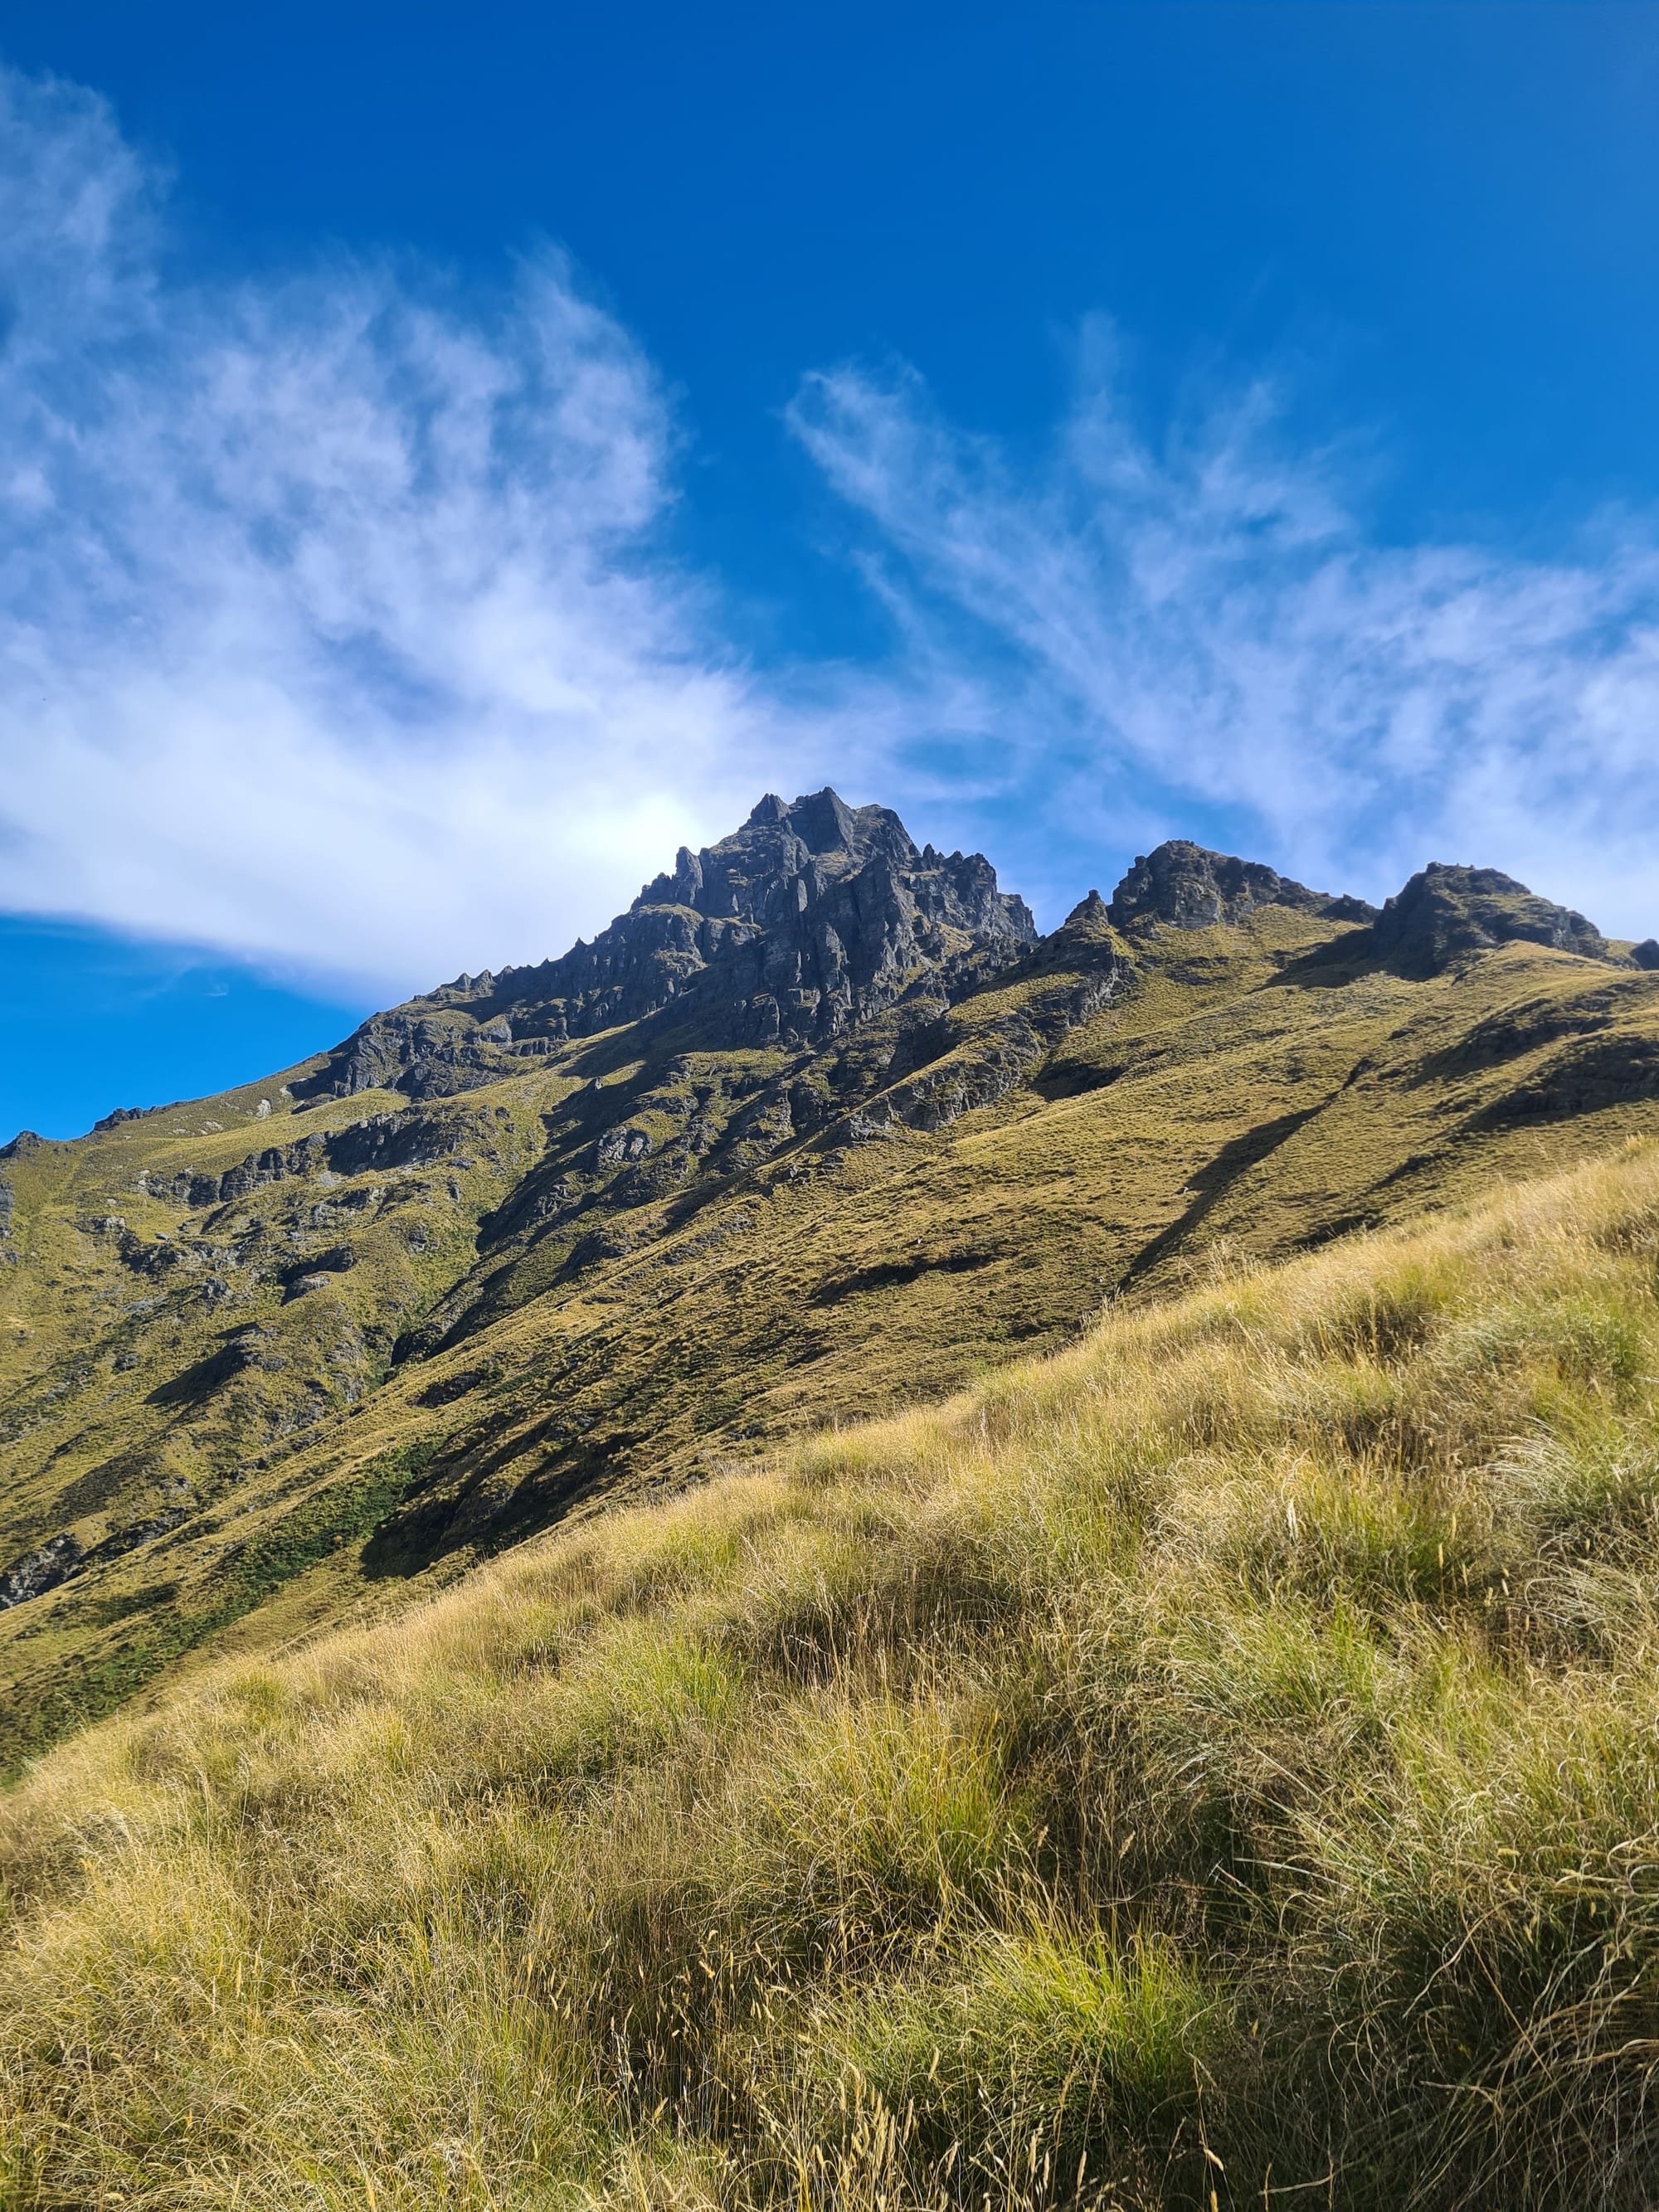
611,1244
618,1145
1448,913
990,1062
41,1569
387,1141
318,1268
1646,954
384,1141
1184,886
62,1557
126,1114
807,920
1089,912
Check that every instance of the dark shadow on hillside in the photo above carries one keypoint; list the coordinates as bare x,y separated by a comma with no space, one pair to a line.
1328,967
238,1351
438,1516
1603,1072
1211,1184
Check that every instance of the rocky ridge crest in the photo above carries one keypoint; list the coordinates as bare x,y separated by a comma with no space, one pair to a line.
1447,913
1444,915
1185,886
806,921
815,916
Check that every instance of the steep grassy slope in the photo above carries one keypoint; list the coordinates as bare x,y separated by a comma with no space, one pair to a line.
1213,1766
312,1346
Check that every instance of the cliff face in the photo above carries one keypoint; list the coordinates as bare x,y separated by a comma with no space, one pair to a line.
819,1125
805,922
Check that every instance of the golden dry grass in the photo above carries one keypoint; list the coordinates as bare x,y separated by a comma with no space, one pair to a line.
1217,1764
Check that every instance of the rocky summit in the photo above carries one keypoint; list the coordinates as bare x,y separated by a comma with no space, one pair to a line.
1445,914
821,1126
1182,886
805,922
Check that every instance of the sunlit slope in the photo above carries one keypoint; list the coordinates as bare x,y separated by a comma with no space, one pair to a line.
1218,1761
472,1321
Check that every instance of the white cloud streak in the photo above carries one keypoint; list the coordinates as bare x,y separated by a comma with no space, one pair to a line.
1208,624
338,631
330,625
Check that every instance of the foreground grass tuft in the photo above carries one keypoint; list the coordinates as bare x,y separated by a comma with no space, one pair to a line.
1217,1765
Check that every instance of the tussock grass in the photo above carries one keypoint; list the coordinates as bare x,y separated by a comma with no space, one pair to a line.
1217,1765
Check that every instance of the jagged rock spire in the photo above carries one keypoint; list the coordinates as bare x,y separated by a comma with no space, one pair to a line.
809,917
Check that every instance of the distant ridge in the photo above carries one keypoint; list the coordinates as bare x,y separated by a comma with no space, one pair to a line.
815,915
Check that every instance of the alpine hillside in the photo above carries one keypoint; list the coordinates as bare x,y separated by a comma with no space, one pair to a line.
820,1129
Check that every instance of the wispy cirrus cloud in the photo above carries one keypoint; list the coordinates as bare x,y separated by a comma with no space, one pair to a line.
340,627
1206,624
334,622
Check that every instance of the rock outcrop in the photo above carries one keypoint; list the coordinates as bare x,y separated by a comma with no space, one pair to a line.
1443,914
125,1113
1446,913
383,1141
1184,886
40,1569
805,921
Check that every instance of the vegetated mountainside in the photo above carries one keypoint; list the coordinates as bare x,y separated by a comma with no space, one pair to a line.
1214,1767
820,1127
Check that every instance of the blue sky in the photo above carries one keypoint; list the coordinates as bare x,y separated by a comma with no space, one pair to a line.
447,457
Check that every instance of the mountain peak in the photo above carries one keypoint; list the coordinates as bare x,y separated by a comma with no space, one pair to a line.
817,840
812,916
822,820
1185,886
1447,911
